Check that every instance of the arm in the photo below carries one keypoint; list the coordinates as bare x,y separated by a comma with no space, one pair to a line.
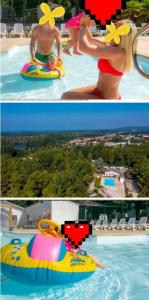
33,43
59,72
59,43
94,40
102,52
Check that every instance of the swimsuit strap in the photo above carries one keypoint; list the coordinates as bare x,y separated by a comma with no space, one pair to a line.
105,67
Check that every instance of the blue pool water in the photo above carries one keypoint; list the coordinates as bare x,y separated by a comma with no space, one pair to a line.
109,181
144,63
125,277
81,71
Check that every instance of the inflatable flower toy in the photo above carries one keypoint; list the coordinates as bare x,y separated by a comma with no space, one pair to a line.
50,15
115,33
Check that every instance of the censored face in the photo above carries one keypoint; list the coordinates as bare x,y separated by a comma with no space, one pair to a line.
102,11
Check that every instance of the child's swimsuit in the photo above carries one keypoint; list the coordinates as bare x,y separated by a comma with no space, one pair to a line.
44,58
75,21
104,66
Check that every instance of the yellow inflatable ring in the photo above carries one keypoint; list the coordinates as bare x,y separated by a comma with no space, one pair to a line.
35,70
50,231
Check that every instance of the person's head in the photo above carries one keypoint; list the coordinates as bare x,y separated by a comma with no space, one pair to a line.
126,42
86,20
52,61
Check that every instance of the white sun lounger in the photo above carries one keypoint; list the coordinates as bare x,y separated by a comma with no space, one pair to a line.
97,225
3,30
32,27
64,30
94,30
18,30
113,224
142,224
131,224
121,224
104,225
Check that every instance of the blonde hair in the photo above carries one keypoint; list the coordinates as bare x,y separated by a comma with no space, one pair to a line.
126,44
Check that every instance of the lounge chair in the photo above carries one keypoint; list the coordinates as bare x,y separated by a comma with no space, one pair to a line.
94,30
97,224
131,224
113,224
18,30
142,224
32,26
3,30
64,30
104,225
102,33
121,224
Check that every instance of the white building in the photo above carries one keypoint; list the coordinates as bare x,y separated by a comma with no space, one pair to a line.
10,215
58,211
13,215
115,173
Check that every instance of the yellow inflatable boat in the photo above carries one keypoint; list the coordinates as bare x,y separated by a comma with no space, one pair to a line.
45,260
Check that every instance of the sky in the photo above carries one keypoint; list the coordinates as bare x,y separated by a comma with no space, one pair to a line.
72,116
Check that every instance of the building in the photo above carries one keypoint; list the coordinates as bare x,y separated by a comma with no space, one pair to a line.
13,215
114,173
10,215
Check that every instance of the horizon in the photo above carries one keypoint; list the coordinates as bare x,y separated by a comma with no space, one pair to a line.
54,117
129,128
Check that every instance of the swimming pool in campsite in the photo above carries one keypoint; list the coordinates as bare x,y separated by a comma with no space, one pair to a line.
109,181
125,277
80,71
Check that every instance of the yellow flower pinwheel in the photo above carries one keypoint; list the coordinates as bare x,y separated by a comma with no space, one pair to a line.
50,15
114,34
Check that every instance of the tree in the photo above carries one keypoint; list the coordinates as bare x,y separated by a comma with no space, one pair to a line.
99,163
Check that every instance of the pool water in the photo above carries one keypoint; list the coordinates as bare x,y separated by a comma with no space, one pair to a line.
125,277
144,63
81,71
109,181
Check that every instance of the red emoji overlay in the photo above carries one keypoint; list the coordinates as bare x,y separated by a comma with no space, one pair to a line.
76,233
102,11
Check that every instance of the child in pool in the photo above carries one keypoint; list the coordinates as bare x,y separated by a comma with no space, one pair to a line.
73,28
71,248
52,66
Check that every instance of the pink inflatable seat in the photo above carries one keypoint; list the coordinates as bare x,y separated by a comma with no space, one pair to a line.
46,248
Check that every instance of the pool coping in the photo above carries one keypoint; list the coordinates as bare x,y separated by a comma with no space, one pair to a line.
95,232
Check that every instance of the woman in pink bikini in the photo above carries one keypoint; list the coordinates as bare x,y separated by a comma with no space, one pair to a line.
114,61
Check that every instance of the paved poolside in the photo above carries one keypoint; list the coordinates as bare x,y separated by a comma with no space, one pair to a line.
95,232
9,43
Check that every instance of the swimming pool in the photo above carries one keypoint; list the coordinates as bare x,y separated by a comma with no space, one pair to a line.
81,71
125,277
109,181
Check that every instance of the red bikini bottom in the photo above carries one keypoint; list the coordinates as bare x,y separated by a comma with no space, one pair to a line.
97,93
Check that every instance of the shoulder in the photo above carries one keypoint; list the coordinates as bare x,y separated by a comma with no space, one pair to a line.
36,29
56,30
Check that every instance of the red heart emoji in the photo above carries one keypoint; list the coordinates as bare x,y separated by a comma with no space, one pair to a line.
76,233
102,11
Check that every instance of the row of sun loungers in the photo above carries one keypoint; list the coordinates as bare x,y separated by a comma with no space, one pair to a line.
18,30
121,225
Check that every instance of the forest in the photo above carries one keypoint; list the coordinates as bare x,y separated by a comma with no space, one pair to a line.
60,170
136,10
